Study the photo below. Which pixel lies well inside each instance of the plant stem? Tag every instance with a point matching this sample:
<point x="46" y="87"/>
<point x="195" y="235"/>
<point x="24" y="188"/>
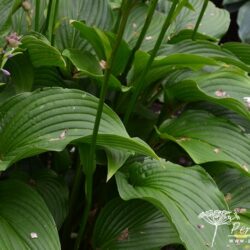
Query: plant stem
<point x="203" y="9"/>
<point x="215" y="232"/>
<point x="51" y="18"/>
<point x="141" y="80"/>
<point x="150" y="14"/>
<point x="117" y="23"/>
<point x="90" y="164"/>
<point x="37" y="15"/>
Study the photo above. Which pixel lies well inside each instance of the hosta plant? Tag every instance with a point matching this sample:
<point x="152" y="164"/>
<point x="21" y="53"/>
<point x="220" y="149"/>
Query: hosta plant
<point x="124" y="124"/>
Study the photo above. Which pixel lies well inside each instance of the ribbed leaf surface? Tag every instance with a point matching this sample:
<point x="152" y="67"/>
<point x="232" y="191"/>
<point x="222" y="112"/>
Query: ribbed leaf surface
<point x="241" y="50"/>
<point x="181" y="194"/>
<point x="214" y="17"/>
<point x="207" y="138"/>
<point x="87" y="65"/>
<point x="102" y="43"/>
<point x="205" y="49"/>
<point x="236" y="187"/>
<point x="132" y="225"/>
<point x="229" y="88"/>
<point x="94" y="12"/>
<point x="163" y="65"/>
<point x="51" y="188"/>
<point x="7" y="8"/>
<point x="41" y="52"/>
<point x="49" y="119"/>
<point x="26" y="222"/>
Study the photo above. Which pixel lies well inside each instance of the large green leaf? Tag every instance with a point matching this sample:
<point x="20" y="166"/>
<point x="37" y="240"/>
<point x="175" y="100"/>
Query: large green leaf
<point x="93" y="12"/>
<point x="132" y="225"/>
<point x="215" y="22"/>
<point x="102" y="43"/>
<point x="87" y="65"/>
<point x="227" y="87"/>
<point x="135" y="23"/>
<point x="207" y="138"/>
<point x="205" y="49"/>
<point x="41" y="52"/>
<point x="163" y="65"/>
<point x="181" y="194"/>
<point x="243" y="21"/>
<point x="26" y="222"/>
<point x="236" y="187"/>
<point x="51" y="188"/>
<point x="51" y="118"/>
<point x="84" y="62"/>
<point x="241" y="50"/>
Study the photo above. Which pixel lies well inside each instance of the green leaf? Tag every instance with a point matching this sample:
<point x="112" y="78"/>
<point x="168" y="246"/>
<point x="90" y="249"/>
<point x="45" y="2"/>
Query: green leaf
<point x="47" y="76"/>
<point x="132" y="225"/>
<point x="84" y="62"/>
<point x="215" y="22"/>
<point x="228" y="88"/>
<point x="135" y="23"/>
<point x="102" y="44"/>
<point x="187" y="34"/>
<point x="236" y="187"/>
<point x="26" y="222"/>
<point x="204" y="49"/>
<point x="241" y="50"/>
<point x="94" y="12"/>
<point x="22" y="72"/>
<point x="52" y="189"/>
<point x="87" y="65"/>
<point x="163" y="65"/>
<point x="51" y="118"/>
<point x="115" y="161"/>
<point x="7" y="9"/>
<point x="181" y="194"/>
<point x="41" y="52"/>
<point x="96" y="37"/>
<point x="207" y="138"/>
<point x="243" y="21"/>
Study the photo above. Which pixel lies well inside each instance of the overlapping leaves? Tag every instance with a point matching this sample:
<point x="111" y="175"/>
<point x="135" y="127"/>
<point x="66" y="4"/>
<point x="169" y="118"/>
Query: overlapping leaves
<point x="49" y="119"/>
<point x="52" y="189"/>
<point x="213" y="17"/>
<point x="132" y="225"/>
<point x="228" y="88"/>
<point x="180" y="194"/>
<point x="207" y="138"/>
<point x="26" y="222"/>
